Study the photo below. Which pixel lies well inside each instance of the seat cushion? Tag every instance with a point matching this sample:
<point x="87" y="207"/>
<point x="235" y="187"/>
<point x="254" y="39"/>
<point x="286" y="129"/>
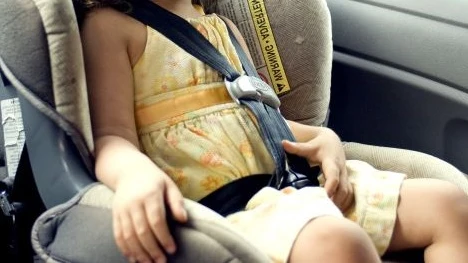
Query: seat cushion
<point x="80" y="231"/>
<point x="413" y="164"/>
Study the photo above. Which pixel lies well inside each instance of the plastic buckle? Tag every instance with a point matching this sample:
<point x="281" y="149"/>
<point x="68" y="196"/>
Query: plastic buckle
<point x="247" y="87"/>
<point x="5" y="205"/>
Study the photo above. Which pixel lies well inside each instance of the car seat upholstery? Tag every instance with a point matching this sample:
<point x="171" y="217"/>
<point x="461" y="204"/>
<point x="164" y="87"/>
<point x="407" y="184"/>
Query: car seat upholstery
<point x="41" y="56"/>
<point x="302" y="32"/>
<point x="413" y="164"/>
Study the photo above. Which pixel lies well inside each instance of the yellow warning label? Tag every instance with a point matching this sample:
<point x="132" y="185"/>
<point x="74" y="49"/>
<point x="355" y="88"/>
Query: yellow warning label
<point x="267" y="41"/>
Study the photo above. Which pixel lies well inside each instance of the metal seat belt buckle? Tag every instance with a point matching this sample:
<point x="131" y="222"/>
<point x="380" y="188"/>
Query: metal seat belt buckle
<point x="248" y="87"/>
<point x="5" y="205"/>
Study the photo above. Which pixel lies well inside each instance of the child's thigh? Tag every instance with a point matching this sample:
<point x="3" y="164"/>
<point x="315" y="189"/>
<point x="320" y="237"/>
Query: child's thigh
<point x="427" y="206"/>
<point x="273" y="219"/>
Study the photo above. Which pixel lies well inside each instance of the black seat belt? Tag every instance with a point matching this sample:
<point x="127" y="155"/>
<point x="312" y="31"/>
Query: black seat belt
<point x="250" y="91"/>
<point x="298" y="164"/>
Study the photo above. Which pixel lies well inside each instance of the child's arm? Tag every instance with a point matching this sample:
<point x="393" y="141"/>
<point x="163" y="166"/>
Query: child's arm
<point x="141" y="189"/>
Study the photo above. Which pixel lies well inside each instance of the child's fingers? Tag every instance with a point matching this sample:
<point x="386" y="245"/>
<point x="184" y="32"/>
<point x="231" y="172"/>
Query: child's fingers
<point x="350" y="199"/>
<point x="175" y="202"/>
<point x="306" y="150"/>
<point x="144" y="233"/>
<point x="132" y="242"/>
<point x="156" y="215"/>
<point x="332" y="176"/>
<point x="119" y="238"/>
<point x="342" y="197"/>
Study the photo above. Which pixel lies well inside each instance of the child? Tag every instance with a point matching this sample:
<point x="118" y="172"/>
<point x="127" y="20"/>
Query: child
<point x="153" y="148"/>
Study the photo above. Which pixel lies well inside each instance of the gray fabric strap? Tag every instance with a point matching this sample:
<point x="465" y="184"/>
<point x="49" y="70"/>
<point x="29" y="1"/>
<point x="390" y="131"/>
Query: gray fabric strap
<point x="274" y="128"/>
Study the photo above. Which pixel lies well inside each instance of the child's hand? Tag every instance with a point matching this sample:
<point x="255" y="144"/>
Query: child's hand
<point x="140" y="216"/>
<point x="327" y="151"/>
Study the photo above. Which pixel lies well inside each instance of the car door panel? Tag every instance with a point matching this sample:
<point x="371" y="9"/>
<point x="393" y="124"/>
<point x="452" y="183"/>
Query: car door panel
<point x="400" y="75"/>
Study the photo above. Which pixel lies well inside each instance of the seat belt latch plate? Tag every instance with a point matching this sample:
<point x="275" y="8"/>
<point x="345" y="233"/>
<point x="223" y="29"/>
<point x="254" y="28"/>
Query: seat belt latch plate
<point x="5" y="205"/>
<point x="248" y="87"/>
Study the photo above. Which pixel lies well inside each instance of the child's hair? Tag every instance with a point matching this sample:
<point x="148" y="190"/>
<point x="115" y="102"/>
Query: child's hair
<point x="121" y="5"/>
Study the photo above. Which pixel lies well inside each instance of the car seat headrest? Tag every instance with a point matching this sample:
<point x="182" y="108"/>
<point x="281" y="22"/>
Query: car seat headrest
<point x="291" y="45"/>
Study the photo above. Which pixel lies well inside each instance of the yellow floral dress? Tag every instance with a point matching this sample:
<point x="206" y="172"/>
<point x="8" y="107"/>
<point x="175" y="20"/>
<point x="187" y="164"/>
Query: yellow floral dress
<point x="202" y="147"/>
<point x="209" y="147"/>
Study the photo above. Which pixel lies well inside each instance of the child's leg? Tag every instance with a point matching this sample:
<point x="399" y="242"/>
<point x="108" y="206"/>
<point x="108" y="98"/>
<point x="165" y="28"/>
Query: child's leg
<point x="333" y="239"/>
<point x="432" y="214"/>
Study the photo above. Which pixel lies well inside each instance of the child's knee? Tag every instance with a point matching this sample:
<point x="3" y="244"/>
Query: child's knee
<point x="335" y="230"/>
<point x="450" y="200"/>
<point x="447" y="205"/>
<point x="453" y="204"/>
<point x="333" y="235"/>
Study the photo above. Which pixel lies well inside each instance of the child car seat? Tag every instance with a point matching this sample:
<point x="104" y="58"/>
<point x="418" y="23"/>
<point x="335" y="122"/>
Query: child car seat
<point x="41" y="60"/>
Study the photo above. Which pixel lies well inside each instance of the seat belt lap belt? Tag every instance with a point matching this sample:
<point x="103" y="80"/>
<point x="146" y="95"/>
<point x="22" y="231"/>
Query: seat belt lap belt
<point x="248" y="90"/>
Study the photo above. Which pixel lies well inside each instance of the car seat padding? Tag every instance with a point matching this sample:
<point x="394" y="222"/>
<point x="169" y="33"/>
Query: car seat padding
<point x="292" y="38"/>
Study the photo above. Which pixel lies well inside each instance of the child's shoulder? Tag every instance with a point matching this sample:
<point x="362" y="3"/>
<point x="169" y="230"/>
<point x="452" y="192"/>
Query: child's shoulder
<point x="106" y="28"/>
<point x="108" y="22"/>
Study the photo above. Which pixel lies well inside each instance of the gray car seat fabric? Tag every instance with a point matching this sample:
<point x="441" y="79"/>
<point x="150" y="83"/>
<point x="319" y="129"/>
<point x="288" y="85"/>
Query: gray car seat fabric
<point x="205" y="238"/>
<point x="67" y="72"/>
<point x="25" y="61"/>
<point x="31" y="68"/>
<point x="80" y="230"/>
<point x="302" y="32"/>
<point x="54" y="77"/>
<point x="413" y="164"/>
